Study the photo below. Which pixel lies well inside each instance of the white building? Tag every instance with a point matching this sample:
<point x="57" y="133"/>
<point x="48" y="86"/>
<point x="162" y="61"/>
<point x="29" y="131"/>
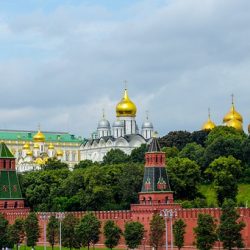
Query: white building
<point x="123" y="135"/>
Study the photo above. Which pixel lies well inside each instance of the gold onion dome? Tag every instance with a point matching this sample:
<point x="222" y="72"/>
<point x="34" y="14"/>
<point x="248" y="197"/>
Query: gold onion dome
<point x="36" y="146"/>
<point x="235" y="123"/>
<point x="59" y="152"/>
<point x="39" y="161"/>
<point x="232" y="114"/>
<point x="126" y="107"/>
<point x="39" y="137"/>
<point x="26" y="146"/>
<point x="29" y="153"/>
<point x="209" y="124"/>
<point x="51" y="146"/>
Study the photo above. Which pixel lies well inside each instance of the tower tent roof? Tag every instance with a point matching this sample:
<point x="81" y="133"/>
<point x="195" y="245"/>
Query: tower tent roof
<point x="154" y="146"/>
<point x="5" y="152"/>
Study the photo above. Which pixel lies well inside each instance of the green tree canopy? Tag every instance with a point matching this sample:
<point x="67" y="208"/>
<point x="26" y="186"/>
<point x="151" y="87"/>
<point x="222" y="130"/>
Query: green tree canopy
<point x="85" y="164"/>
<point x="229" y="230"/>
<point x="32" y="229"/>
<point x="205" y="232"/>
<point x="53" y="231"/>
<point x="157" y="229"/>
<point x="184" y="176"/>
<point x="179" y="232"/>
<point x="200" y="137"/>
<point x="70" y="238"/>
<point x="54" y="164"/>
<point x="138" y="154"/>
<point x="112" y="234"/>
<point x="194" y="152"/>
<point x="88" y="230"/>
<point x="3" y="231"/>
<point x="133" y="234"/>
<point x="176" y="139"/>
<point x="115" y="156"/>
<point x="170" y="152"/>
<point x="225" y="171"/>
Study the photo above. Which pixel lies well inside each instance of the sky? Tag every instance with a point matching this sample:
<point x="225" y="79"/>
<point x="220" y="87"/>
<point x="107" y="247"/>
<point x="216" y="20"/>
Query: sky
<point x="63" y="61"/>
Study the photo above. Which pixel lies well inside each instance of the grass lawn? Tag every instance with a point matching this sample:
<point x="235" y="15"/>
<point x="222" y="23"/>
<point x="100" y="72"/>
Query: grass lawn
<point x="242" y="198"/>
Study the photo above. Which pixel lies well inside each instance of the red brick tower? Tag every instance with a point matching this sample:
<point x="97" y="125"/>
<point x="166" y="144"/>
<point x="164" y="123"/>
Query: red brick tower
<point x="10" y="191"/>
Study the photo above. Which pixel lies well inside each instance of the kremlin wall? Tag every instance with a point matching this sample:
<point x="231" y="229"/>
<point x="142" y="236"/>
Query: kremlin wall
<point x="155" y="196"/>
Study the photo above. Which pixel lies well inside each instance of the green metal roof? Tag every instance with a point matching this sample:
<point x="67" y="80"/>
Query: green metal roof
<point x="5" y="152"/>
<point x="20" y="135"/>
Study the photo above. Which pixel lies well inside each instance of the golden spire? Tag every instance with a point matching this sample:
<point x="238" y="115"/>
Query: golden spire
<point x="39" y="136"/>
<point x="209" y="124"/>
<point x="126" y="108"/>
<point x="232" y="114"/>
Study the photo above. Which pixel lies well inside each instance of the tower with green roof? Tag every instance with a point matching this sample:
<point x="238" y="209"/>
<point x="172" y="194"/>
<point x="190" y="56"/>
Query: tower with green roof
<point x="10" y="191"/>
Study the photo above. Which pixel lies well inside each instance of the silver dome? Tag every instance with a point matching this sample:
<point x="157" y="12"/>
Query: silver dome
<point x="119" y="124"/>
<point x="147" y="124"/>
<point x="104" y="124"/>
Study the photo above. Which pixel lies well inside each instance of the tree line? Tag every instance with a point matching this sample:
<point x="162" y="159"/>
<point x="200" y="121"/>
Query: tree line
<point x="85" y="232"/>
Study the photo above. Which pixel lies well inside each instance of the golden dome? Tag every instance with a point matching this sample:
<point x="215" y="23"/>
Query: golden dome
<point x="209" y="124"/>
<point x="39" y="137"/>
<point x="26" y="146"/>
<point x="36" y="146"/>
<point x="59" y="152"/>
<point x="51" y="146"/>
<point x="232" y="114"/>
<point x="29" y="153"/>
<point x="39" y="161"/>
<point x="235" y="124"/>
<point x="126" y="107"/>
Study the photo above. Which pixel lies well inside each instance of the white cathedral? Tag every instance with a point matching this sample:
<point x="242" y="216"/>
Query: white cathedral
<point x="123" y="135"/>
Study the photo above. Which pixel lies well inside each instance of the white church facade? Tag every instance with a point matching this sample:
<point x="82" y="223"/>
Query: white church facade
<point x="124" y="133"/>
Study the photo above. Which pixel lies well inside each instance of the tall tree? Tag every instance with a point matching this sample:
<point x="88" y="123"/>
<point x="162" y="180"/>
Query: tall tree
<point x="52" y="231"/>
<point x="225" y="172"/>
<point x="157" y="229"/>
<point x="205" y="232"/>
<point x="229" y="230"/>
<point x="3" y="231"/>
<point x="115" y="156"/>
<point x="69" y="235"/>
<point x="138" y="154"/>
<point x="17" y="232"/>
<point x="89" y="230"/>
<point x="112" y="234"/>
<point x="32" y="229"/>
<point x="184" y="176"/>
<point x="133" y="234"/>
<point x="179" y="232"/>
<point x="54" y="164"/>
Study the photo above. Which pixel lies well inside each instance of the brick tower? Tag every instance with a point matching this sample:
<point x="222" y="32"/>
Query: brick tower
<point x="10" y="192"/>
<point x="155" y="188"/>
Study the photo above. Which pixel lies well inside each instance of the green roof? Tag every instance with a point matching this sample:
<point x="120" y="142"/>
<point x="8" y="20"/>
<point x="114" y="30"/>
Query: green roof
<point x="21" y="135"/>
<point x="5" y="152"/>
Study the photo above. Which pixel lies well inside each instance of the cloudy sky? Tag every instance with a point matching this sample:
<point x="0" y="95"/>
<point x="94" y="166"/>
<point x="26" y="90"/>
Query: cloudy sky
<point x="63" y="61"/>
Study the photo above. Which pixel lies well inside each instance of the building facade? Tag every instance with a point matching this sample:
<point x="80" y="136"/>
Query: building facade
<point x="124" y="133"/>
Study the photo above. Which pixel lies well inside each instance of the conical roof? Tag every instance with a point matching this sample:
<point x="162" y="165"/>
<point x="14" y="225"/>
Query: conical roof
<point x="5" y="152"/>
<point x="154" y="146"/>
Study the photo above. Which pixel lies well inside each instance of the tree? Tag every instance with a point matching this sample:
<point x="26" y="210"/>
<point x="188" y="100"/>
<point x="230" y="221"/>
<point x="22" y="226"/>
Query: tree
<point x="176" y="139"/>
<point x="200" y="136"/>
<point x="225" y="171"/>
<point x="138" y="154"/>
<point x="112" y="234"/>
<point x="84" y="164"/>
<point x="16" y="232"/>
<point x="229" y="230"/>
<point x="32" y="229"/>
<point x="115" y="156"/>
<point x="54" y="164"/>
<point x="170" y="152"/>
<point x="133" y="234"/>
<point x="52" y="231"/>
<point x="179" y="232"/>
<point x="69" y="236"/>
<point x="88" y="230"/>
<point x="205" y="232"/>
<point x="3" y="231"/>
<point x="194" y="152"/>
<point x="157" y="229"/>
<point x="184" y="176"/>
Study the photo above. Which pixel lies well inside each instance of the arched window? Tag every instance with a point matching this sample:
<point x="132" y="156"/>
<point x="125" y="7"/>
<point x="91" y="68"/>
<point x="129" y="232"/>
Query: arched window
<point x="150" y="200"/>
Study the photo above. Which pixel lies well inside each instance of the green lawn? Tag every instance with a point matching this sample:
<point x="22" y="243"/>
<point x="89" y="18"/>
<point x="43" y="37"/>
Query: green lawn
<point x="242" y="198"/>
